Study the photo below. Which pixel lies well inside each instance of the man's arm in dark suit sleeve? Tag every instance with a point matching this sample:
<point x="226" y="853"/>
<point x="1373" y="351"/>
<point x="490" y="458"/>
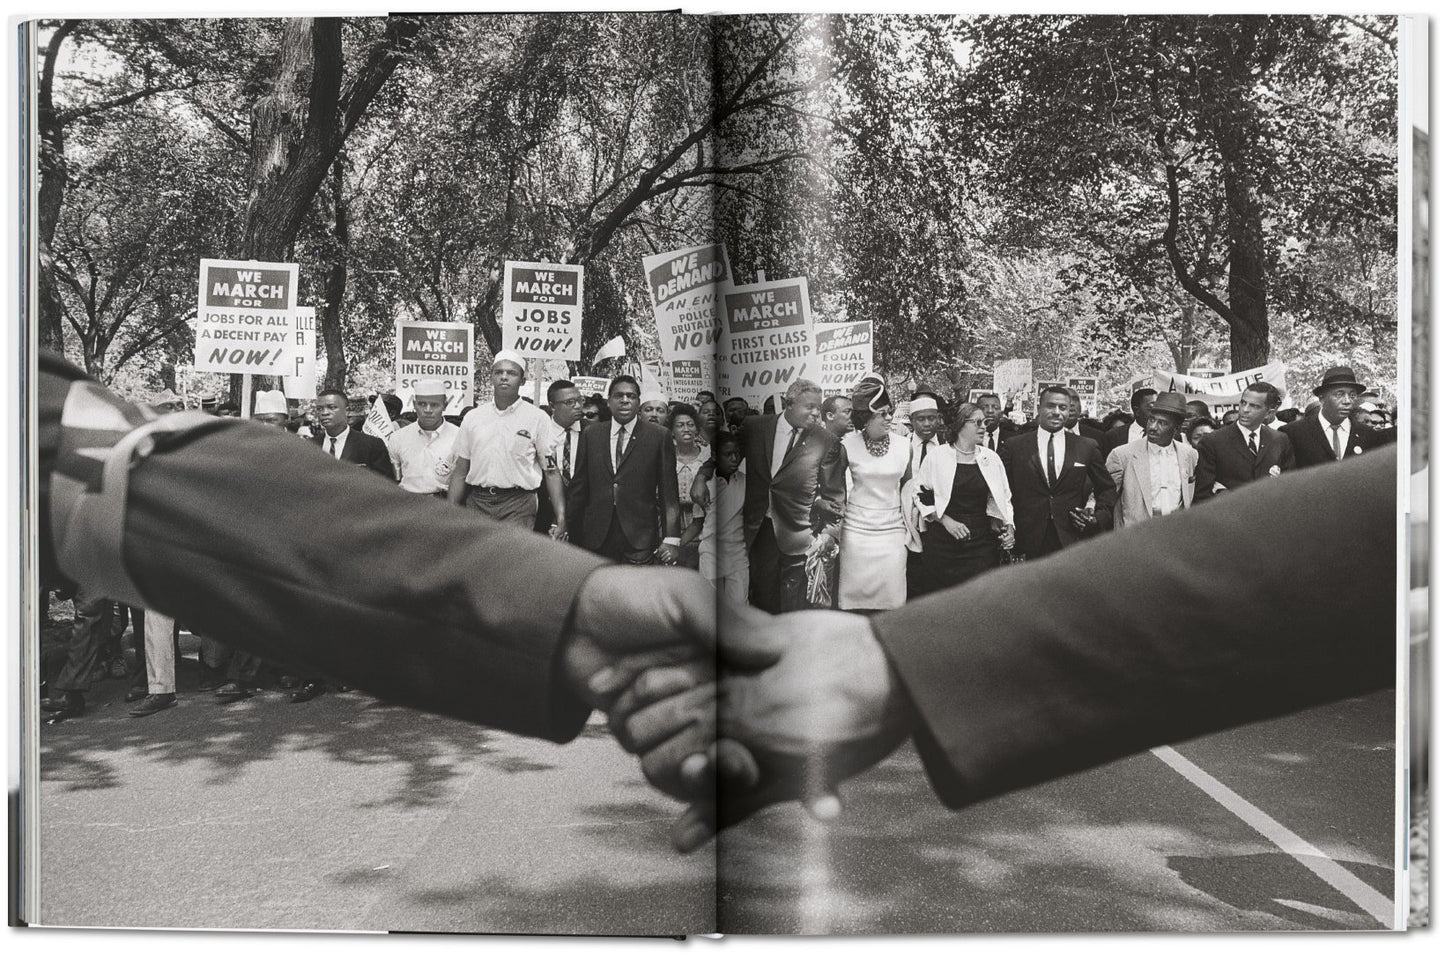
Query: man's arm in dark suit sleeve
<point x="1009" y="693"/>
<point x="832" y="488"/>
<point x="667" y="491"/>
<point x="1105" y="493"/>
<point x="1204" y="472"/>
<point x="381" y="459"/>
<point x="577" y="489"/>
<point x="1286" y="456"/>
<point x="414" y="603"/>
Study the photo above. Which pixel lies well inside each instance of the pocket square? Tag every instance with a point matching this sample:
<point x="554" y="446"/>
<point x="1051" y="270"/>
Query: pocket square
<point x="1079" y="464"/>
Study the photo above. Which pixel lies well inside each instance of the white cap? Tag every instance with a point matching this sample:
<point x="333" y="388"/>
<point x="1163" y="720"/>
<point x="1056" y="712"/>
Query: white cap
<point x="427" y="388"/>
<point x="652" y="395"/>
<point x="270" y="402"/>
<point x="922" y="404"/>
<point x="510" y="356"/>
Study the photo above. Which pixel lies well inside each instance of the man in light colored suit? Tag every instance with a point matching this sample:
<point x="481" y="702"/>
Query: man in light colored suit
<point x="1154" y="475"/>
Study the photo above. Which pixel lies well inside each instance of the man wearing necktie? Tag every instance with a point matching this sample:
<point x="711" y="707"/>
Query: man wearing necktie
<point x="1330" y="435"/>
<point x="997" y="428"/>
<point x="794" y="497"/>
<point x="566" y="401"/>
<point x="1246" y="449"/>
<point x="624" y="487"/>
<point x="925" y="417"/>
<point x="338" y="440"/>
<point x="1052" y="473"/>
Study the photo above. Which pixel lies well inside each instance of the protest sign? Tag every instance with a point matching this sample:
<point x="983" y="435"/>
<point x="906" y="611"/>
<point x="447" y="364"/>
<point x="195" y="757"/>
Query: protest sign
<point x="1012" y="380"/>
<point x="591" y="384"/>
<point x="436" y="351"/>
<point x="1219" y="393"/>
<point x="378" y="421"/>
<point x="684" y="287"/>
<point x="1088" y="389"/>
<point x="842" y="355"/>
<point x="542" y="310"/>
<point x="302" y="384"/>
<point x="767" y="338"/>
<point x="244" y="321"/>
<point x="685" y="378"/>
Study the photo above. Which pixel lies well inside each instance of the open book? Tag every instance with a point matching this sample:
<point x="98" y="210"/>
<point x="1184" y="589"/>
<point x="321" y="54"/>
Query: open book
<point x="1020" y="404"/>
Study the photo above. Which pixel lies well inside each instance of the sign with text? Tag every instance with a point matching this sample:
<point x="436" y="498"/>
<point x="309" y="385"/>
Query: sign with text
<point x="436" y="351"/>
<point x="684" y="287"/>
<point x="685" y="378"/>
<point x="842" y="355"/>
<point x="244" y="320"/>
<point x="767" y="338"/>
<point x="1088" y="389"/>
<point x="1219" y="393"/>
<point x="590" y="385"/>
<point x="1013" y="381"/>
<point x="302" y="383"/>
<point x="542" y="310"/>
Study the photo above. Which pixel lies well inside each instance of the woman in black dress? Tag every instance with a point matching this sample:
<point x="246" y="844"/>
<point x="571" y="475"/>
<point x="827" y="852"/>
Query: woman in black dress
<point x="965" y="505"/>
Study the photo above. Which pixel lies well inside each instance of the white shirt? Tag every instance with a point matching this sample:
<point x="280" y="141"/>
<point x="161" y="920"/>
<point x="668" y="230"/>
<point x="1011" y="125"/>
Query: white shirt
<point x="1330" y="433"/>
<point x="1167" y="494"/>
<point x="915" y="450"/>
<point x="627" y="432"/>
<point x="340" y="442"/>
<point x="1136" y="431"/>
<point x="505" y="448"/>
<point x="993" y="439"/>
<point x="1044" y="438"/>
<point x="423" y="460"/>
<point x="1246" y="433"/>
<point x="559" y="445"/>
<point x="780" y="442"/>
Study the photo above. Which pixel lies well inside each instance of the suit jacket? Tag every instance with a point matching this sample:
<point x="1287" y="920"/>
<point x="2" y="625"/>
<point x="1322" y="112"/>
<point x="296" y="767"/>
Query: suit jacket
<point x="1036" y="505"/>
<point x="1129" y="468"/>
<point x="1007" y="428"/>
<point x="269" y="545"/>
<point x="1030" y="673"/>
<point x="363" y="450"/>
<point x="641" y="491"/>
<point x="807" y="490"/>
<point x="1116" y="437"/>
<point x="1224" y="458"/>
<point x="1313" y="447"/>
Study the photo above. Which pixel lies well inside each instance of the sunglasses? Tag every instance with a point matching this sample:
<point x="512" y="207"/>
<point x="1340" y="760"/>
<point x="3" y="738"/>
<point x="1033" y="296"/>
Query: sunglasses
<point x="589" y="415"/>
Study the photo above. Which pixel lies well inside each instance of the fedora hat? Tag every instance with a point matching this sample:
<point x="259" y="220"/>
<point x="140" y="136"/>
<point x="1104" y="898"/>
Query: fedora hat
<point x="1338" y="376"/>
<point x="1171" y="403"/>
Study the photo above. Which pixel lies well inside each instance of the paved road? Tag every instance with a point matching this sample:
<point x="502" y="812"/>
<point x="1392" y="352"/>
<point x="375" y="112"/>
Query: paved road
<point x="347" y="813"/>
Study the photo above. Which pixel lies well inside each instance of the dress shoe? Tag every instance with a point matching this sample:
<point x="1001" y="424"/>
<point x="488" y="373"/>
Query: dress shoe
<point x="152" y="704"/>
<point x="64" y="705"/>
<point x="307" y="692"/>
<point x="233" y="692"/>
<point x="135" y="693"/>
<point x="211" y="679"/>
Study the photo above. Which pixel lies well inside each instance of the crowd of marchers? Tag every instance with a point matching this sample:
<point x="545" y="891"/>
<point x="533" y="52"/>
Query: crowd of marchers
<point x="852" y="501"/>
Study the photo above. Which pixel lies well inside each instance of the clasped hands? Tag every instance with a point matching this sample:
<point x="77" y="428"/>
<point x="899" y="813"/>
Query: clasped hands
<point x="734" y="715"/>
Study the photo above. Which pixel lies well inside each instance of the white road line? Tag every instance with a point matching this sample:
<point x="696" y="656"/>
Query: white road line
<point x="1371" y="902"/>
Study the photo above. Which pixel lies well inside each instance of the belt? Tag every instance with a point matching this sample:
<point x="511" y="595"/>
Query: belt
<point x="502" y="490"/>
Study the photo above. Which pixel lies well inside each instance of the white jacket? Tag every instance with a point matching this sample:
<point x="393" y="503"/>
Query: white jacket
<point x="937" y="474"/>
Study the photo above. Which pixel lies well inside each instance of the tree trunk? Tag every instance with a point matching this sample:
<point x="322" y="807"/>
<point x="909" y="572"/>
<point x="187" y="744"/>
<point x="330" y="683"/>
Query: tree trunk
<point x="337" y="256"/>
<point x="53" y="180"/>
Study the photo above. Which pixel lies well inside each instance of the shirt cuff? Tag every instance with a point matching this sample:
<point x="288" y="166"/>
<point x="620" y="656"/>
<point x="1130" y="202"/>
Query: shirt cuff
<point x="672" y="541"/>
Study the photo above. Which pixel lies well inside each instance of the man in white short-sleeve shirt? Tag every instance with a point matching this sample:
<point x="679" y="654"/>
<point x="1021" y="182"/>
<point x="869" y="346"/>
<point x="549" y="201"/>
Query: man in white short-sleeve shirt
<point x="503" y="452"/>
<point x="421" y="452"/>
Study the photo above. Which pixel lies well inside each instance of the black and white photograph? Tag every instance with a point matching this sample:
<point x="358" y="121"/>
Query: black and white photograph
<point x="657" y="473"/>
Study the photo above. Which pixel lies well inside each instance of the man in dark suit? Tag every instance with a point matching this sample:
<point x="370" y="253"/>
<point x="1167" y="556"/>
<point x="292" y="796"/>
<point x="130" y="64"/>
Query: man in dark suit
<point x="338" y="440"/>
<point x="1075" y="422"/>
<point x="997" y="427"/>
<point x="1001" y="694"/>
<point x="1330" y="435"/>
<point x="1244" y="450"/>
<point x="626" y="473"/>
<point x="1128" y="432"/>
<point x="1052" y="473"/>
<point x="794" y="498"/>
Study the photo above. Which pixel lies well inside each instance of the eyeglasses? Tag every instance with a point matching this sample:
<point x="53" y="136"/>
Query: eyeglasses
<point x="590" y="415"/>
<point x="570" y="402"/>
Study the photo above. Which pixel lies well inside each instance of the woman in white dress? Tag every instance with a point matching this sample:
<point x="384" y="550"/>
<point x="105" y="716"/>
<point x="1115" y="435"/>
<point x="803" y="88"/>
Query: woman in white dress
<point x="872" y="557"/>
